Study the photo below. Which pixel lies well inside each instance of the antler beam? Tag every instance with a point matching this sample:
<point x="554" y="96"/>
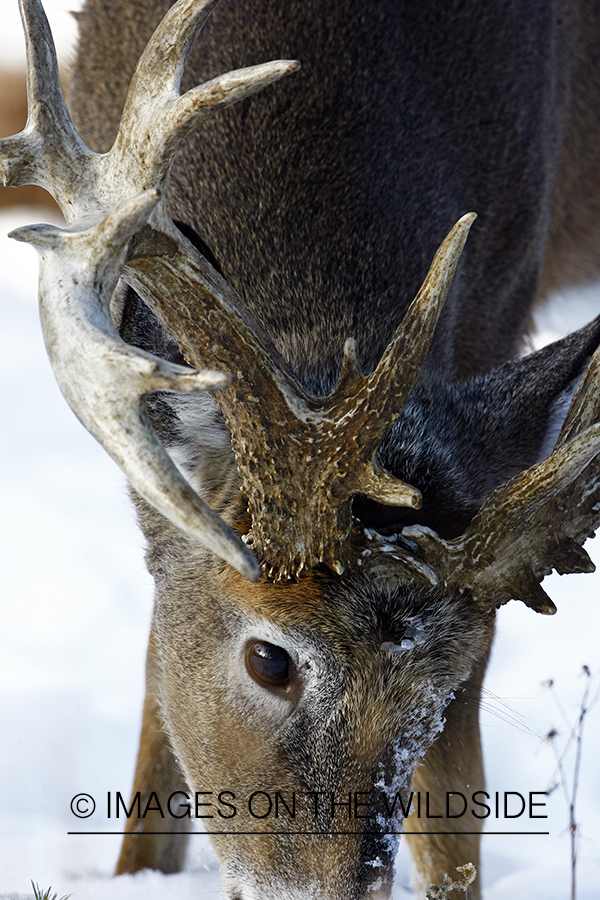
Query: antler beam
<point x="534" y="523"/>
<point x="284" y="444"/>
<point x="290" y="445"/>
<point x="79" y="336"/>
<point x="106" y="198"/>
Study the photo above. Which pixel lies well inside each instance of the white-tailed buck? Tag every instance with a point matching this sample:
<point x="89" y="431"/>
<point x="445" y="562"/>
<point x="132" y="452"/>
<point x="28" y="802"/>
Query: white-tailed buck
<point x="332" y="528"/>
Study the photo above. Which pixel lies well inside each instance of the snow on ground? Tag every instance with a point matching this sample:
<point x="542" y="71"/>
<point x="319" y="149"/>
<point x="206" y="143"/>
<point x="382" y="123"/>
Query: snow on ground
<point x="75" y="604"/>
<point x="62" y="22"/>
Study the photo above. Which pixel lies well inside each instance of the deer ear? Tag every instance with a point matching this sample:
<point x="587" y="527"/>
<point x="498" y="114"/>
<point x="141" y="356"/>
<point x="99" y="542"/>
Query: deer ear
<point x="527" y="400"/>
<point x="513" y="415"/>
<point x="457" y="442"/>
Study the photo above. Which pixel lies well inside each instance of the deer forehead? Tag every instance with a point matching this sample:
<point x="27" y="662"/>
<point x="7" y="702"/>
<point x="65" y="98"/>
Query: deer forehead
<point x="344" y="622"/>
<point x="349" y="685"/>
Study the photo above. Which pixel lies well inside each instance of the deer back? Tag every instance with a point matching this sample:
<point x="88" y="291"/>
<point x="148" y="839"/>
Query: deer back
<point x="323" y="201"/>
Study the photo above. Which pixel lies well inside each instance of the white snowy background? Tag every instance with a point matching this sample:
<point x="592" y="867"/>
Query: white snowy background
<point x="75" y="605"/>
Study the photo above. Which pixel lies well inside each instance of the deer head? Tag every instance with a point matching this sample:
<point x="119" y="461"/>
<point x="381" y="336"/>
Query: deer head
<point x="311" y="626"/>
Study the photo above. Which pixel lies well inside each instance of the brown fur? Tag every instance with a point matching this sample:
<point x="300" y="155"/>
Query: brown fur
<point x="573" y="252"/>
<point x="502" y="110"/>
<point x="157" y="771"/>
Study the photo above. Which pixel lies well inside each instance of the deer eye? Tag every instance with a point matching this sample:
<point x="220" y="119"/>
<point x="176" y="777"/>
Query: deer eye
<point x="268" y="664"/>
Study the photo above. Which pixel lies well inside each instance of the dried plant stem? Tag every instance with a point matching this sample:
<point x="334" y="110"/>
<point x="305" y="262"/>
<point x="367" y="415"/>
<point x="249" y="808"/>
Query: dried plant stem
<point x="441" y="891"/>
<point x="570" y="789"/>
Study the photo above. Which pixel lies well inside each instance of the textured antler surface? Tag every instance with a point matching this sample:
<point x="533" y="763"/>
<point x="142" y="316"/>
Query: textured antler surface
<point x="302" y="458"/>
<point x="536" y="522"/>
<point x="79" y="336"/>
<point x="105" y="381"/>
<point x="289" y="445"/>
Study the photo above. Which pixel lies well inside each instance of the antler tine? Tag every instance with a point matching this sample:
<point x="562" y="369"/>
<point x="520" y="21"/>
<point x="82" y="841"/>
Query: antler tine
<point x="149" y="162"/>
<point x="156" y="120"/>
<point x="163" y="60"/>
<point x="48" y="152"/>
<point x="536" y="522"/>
<point x="290" y="441"/>
<point x="78" y="274"/>
<point x="401" y="363"/>
<point x="532" y="524"/>
<point x="391" y="383"/>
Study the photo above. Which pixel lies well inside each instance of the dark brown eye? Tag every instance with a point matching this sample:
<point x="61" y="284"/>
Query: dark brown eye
<point x="268" y="663"/>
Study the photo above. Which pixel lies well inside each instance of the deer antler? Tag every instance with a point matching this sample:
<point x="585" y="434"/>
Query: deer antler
<point x="288" y="444"/>
<point x="291" y="444"/>
<point x="79" y="335"/>
<point x="99" y="195"/>
<point x="287" y="441"/>
<point x="156" y="120"/>
<point x="534" y="523"/>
